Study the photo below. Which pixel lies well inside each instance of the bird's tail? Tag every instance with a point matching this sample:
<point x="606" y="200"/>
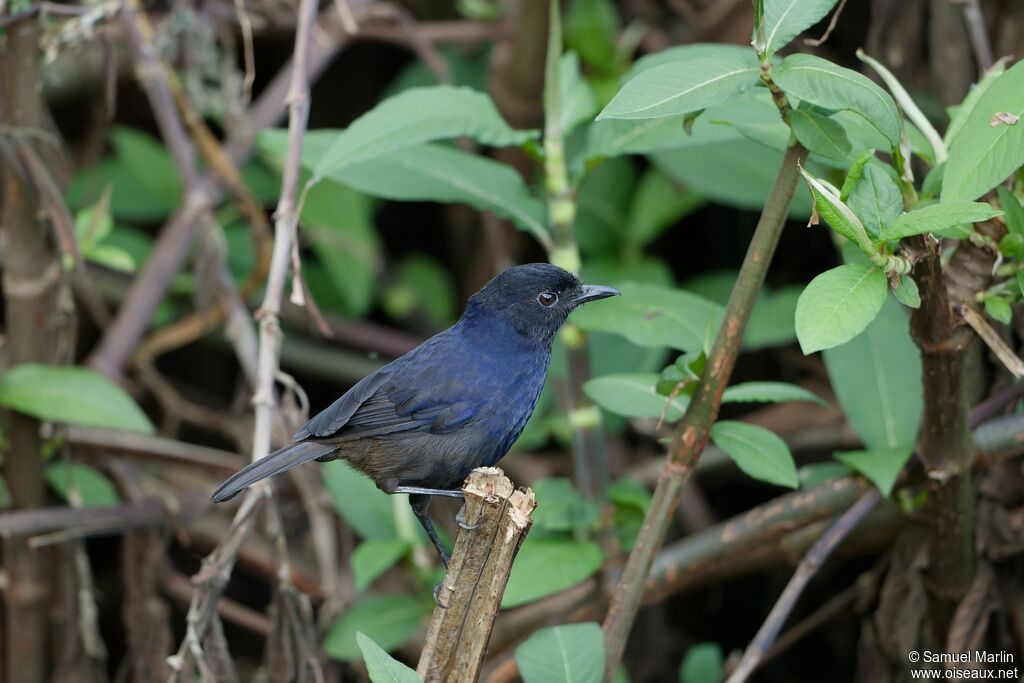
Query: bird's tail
<point x="277" y="462"/>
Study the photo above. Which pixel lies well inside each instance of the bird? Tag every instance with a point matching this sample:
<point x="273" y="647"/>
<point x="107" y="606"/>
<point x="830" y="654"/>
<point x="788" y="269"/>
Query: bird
<point x="420" y="424"/>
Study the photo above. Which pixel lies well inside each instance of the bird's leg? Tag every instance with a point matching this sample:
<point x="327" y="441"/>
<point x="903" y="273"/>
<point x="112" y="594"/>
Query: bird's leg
<point x="417" y="490"/>
<point x="419" y="503"/>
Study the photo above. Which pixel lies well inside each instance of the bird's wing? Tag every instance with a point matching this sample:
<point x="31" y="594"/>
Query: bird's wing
<point x="377" y="406"/>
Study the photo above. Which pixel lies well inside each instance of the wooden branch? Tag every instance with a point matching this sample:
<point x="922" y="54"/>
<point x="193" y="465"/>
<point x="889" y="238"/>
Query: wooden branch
<point x="809" y="566"/>
<point x="693" y="431"/>
<point x="470" y="596"/>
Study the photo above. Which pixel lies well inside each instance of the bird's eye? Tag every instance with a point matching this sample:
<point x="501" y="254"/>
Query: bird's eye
<point x="547" y="299"/>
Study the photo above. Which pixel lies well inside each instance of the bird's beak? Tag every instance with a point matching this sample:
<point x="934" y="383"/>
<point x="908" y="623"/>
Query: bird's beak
<point x="593" y="293"/>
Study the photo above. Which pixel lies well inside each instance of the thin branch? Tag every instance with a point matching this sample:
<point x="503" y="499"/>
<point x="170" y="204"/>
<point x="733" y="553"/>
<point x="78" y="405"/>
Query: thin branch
<point x="692" y="433"/>
<point x="809" y="566"/>
<point x="976" y="29"/>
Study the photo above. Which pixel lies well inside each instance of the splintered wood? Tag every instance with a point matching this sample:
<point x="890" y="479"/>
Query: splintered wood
<point x="497" y="518"/>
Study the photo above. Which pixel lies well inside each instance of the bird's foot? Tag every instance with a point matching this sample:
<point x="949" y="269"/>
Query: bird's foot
<point x="460" y="519"/>
<point x="437" y="596"/>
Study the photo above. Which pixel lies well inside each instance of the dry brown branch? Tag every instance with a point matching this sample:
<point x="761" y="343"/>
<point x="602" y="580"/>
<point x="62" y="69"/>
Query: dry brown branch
<point x="809" y="566"/>
<point x="470" y="596"/>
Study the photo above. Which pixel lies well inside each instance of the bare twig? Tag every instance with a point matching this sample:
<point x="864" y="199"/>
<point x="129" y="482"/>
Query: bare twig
<point x="809" y="566"/>
<point x="976" y="29"/>
<point x="470" y="596"/>
<point x="817" y="42"/>
<point x="217" y="566"/>
<point x="996" y="345"/>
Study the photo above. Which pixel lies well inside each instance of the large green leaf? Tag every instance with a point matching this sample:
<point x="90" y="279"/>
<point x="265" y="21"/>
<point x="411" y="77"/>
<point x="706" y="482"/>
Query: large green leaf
<point x="938" y="217"/>
<point x="757" y="451"/>
<point x="439" y="173"/>
<point x="78" y="483"/>
<point x="360" y="503"/>
<point x="633" y="395"/>
<point x="657" y="204"/>
<point x="72" y="395"/>
<point x="338" y="223"/>
<point x="389" y="620"/>
<point x="768" y="392"/>
<point x="548" y="565"/>
<point x="784" y="20"/>
<point x="652" y="315"/>
<point x="416" y="116"/>
<point x="836" y="213"/>
<point x="591" y="28"/>
<point x="578" y="101"/>
<point x="990" y="144"/>
<point x="820" y="82"/>
<point x="560" y="507"/>
<point x="877" y="379"/>
<point x="838" y="304"/>
<point x="681" y="55"/>
<point x="678" y="88"/>
<point x="571" y="653"/>
<point x="373" y="557"/>
<point x="880" y="467"/>
<point x="1012" y="210"/>
<point x="771" y="321"/>
<point x="961" y="113"/>
<point x="819" y="133"/>
<point x="381" y="666"/>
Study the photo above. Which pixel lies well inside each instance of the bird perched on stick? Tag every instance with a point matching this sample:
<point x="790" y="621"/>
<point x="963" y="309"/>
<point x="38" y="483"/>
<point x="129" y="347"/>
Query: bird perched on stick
<point x="458" y="401"/>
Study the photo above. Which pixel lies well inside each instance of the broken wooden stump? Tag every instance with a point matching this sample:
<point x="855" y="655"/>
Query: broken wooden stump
<point x="496" y="518"/>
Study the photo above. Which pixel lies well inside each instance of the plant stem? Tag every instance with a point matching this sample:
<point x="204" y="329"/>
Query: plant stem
<point x="30" y="276"/>
<point x="691" y="435"/>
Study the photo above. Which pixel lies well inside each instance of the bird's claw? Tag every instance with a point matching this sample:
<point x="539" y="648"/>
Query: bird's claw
<point x="460" y="519"/>
<point x="437" y="596"/>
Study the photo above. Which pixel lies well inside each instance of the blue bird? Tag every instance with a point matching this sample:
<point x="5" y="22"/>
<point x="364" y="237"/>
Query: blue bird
<point x="458" y="401"/>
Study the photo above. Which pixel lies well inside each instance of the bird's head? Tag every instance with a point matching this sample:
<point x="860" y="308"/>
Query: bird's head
<point x="534" y="299"/>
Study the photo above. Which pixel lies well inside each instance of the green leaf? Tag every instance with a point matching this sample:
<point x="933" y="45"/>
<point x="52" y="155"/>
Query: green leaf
<point x="373" y="557"/>
<point x="784" y="20"/>
<point x="338" y="223"/>
<point x="757" y="451"/>
<point x="836" y="213"/>
<point x="880" y="467"/>
<point x="906" y="292"/>
<point x="81" y="484"/>
<point x="681" y="55"/>
<point x="1013" y="212"/>
<point x="874" y="196"/>
<point x="363" y="506"/>
<point x="658" y="203"/>
<point x="703" y="662"/>
<point x="111" y="257"/>
<point x="674" y="89"/>
<point x="131" y="199"/>
<point x="652" y="315"/>
<point x="381" y="666"/>
<point x="560" y="507"/>
<point x="768" y="392"/>
<point x="633" y="395"/>
<point x="960" y="115"/>
<point x="877" y="380"/>
<point x="545" y="566"/>
<point x="602" y="204"/>
<point x="986" y="150"/>
<point x="446" y="174"/>
<point x="389" y="620"/>
<point x="818" y="133"/>
<point x="71" y="395"/>
<point x="421" y="284"/>
<point x="938" y="217"/>
<point x="998" y="309"/>
<point x="416" y="116"/>
<point x="630" y="500"/>
<point x="149" y="162"/>
<point x="820" y="82"/>
<point x="590" y="30"/>
<point x="771" y="321"/>
<point x="819" y="472"/>
<point x="571" y="653"/>
<point x="578" y="101"/>
<point x="838" y="304"/>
